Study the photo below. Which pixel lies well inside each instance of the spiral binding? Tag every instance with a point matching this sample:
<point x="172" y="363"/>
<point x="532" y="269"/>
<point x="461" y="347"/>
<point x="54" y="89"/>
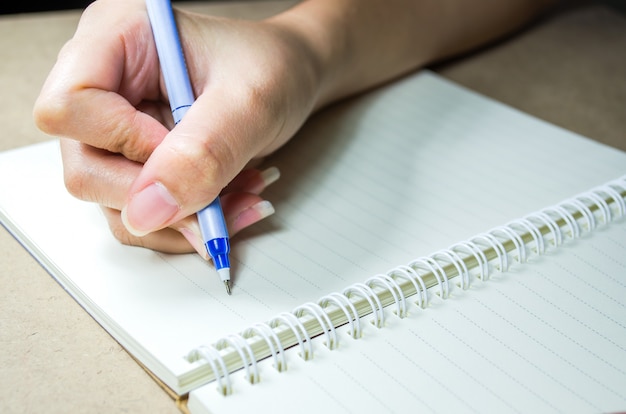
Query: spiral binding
<point x="476" y="258"/>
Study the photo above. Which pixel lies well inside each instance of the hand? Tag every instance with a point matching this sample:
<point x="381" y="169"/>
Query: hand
<point x="255" y="85"/>
<point x="255" y="82"/>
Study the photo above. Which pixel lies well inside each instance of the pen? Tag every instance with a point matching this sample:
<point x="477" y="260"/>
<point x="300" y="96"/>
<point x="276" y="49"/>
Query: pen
<point x="178" y="85"/>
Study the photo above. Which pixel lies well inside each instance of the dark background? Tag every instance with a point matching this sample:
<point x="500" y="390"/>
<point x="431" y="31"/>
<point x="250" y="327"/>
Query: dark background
<point x="19" y="6"/>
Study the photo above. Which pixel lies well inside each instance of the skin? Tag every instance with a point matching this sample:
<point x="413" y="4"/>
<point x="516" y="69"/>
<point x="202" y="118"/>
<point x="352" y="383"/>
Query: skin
<point x="256" y="83"/>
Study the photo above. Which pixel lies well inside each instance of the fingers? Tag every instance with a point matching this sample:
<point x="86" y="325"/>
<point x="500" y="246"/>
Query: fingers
<point x="241" y="210"/>
<point x="101" y="79"/>
<point x="97" y="175"/>
<point x="102" y="177"/>
<point x="248" y="105"/>
<point x="198" y="158"/>
<point x="253" y="181"/>
<point x="106" y="96"/>
<point x="166" y="240"/>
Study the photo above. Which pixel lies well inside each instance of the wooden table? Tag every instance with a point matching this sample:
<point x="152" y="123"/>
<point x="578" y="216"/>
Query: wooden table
<point x="569" y="69"/>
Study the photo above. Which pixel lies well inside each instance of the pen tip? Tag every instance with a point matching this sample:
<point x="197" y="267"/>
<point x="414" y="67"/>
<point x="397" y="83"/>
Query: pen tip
<point x="225" y="276"/>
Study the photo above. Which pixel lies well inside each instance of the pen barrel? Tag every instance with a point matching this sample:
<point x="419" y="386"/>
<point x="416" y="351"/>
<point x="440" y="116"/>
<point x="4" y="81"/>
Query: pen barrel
<point x="181" y="97"/>
<point x="215" y="233"/>
<point x="171" y="57"/>
<point x="212" y="223"/>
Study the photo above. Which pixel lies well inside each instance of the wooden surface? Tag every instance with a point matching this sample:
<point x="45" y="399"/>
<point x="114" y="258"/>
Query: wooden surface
<point x="569" y="69"/>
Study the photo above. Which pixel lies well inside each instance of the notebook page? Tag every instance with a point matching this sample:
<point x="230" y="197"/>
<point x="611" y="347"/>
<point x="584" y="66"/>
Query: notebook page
<point x="550" y="336"/>
<point x="405" y="171"/>
<point x="367" y="185"/>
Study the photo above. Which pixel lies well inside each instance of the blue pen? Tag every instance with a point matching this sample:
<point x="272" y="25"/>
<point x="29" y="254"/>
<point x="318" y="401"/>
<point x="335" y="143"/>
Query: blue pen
<point x="172" y="60"/>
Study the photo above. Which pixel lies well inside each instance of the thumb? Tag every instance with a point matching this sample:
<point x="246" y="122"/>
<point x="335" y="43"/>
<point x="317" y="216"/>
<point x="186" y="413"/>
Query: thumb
<point x="187" y="170"/>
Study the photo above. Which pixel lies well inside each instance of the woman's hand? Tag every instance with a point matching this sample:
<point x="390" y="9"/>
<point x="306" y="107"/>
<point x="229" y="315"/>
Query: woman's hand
<point x="255" y="84"/>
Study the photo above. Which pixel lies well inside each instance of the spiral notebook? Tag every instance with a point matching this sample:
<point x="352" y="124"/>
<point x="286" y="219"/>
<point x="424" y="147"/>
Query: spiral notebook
<point x="432" y="250"/>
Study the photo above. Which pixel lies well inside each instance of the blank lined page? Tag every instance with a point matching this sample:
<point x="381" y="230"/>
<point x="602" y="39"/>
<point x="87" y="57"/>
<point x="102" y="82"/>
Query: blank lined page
<point x="367" y="185"/>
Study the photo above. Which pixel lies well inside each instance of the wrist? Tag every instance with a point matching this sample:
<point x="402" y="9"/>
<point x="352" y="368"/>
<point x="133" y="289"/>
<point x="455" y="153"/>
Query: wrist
<point x="313" y="26"/>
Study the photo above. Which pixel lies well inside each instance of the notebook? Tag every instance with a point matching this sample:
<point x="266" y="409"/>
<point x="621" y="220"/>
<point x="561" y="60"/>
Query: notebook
<point x="432" y="250"/>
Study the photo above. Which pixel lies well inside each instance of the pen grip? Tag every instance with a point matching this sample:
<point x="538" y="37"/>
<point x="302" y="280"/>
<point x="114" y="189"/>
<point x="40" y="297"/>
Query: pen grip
<point x="212" y="223"/>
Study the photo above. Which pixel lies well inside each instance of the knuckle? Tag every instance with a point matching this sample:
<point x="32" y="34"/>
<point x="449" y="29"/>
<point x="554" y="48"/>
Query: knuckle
<point x="52" y="109"/>
<point x="117" y="229"/>
<point x="128" y="140"/>
<point x="122" y="235"/>
<point x="75" y="182"/>
<point x="51" y="112"/>
<point x="208" y="162"/>
<point x="119" y="141"/>
<point x="78" y="177"/>
<point x="214" y="159"/>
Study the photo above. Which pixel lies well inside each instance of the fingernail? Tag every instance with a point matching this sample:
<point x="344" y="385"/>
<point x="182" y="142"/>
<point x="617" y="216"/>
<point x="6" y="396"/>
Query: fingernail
<point x="270" y="175"/>
<point x="194" y="238"/>
<point x="149" y="209"/>
<point x="252" y="214"/>
<point x="262" y="209"/>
